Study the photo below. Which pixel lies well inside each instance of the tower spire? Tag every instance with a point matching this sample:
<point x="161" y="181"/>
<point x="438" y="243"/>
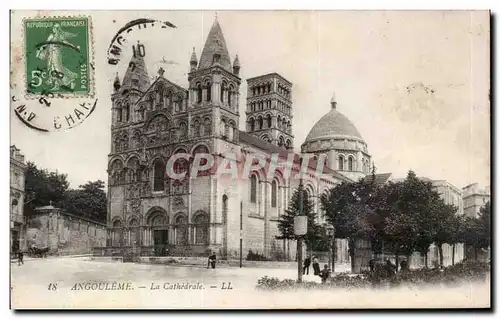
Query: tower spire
<point x="136" y="76"/>
<point x="215" y="45"/>
<point x="236" y="66"/>
<point x="193" y="62"/>
<point x="117" y="83"/>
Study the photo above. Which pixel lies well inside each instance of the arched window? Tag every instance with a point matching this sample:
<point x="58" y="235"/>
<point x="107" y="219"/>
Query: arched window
<point x="208" y="126"/>
<point x="341" y="163"/>
<point x="274" y="192"/>
<point x="169" y="98"/>
<point x="252" y="125"/>
<point x="230" y="130"/>
<point x="196" y="128"/>
<point x="201" y="149"/>
<point x="157" y="220"/>
<point x="180" y="232"/>
<point x="279" y="121"/>
<point x="199" y="92"/>
<point x="159" y="176"/>
<point x="183" y="129"/>
<point x="127" y="112"/>
<point x="229" y="95"/>
<point x="133" y="167"/>
<point x="288" y="144"/>
<point x="281" y="141"/>
<point x="119" y="114"/>
<point x="200" y="229"/>
<point x="209" y="91"/>
<point x="222" y="128"/>
<point x="181" y="165"/>
<point x="222" y="90"/>
<point x="269" y="121"/>
<point x="350" y="163"/>
<point x="261" y="123"/>
<point x="364" y="166"/>
<point x="253" y="189"/>
<point x="178" y="104"/>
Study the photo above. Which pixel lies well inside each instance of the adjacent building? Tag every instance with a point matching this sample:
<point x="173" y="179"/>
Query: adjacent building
<point x="150" y="213"/>
<point x="474" y="198"/>
<point x="17" y="195"/>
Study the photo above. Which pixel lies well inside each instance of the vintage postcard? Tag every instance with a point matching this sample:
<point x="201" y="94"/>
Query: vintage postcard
<point x="250" y="159"/>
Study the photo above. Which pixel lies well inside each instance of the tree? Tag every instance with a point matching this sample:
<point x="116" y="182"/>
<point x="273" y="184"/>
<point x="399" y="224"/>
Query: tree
<point x="484" y="221"/>
<point x="347" y="208"/>
<point x="44" y="188"/>
<point x="477" y="231"/>
<point x="444" y="226"/>
<point x="88" y="201"/>
<point x="314" y="237"/>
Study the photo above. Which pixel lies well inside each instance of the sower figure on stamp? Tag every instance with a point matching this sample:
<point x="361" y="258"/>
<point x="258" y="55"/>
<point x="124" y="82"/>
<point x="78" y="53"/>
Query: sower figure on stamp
<point x="59" y="75"/>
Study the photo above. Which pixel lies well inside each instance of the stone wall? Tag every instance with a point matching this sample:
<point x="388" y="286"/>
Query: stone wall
<point x="64" y="234"/>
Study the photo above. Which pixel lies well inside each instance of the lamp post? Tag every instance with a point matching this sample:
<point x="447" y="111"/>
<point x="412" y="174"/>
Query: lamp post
<point x="241" y="234"/>
<point x="300" y="226"/>
<point x="331" y="235"/>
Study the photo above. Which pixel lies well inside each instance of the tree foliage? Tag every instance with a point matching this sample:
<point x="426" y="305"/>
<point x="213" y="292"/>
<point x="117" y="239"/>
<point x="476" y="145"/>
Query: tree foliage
<point x="44" y="187"/>
<point x="405" y="216"/>
<point x="315" y="237"/>
<point x="89" y="200"/>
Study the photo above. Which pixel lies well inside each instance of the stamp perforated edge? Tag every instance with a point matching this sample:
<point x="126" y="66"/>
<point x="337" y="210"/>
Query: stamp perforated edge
<point x="91" y="63"/>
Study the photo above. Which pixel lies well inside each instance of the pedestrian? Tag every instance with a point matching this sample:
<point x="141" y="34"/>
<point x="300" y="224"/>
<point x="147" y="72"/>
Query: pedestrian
<point x="307" y="263"/>
<point x="390" y="267"/>
<point x="325" y="274"/>
<point x="372" y="265"/>
<point x="316" y="268"/>
<point x="404" y="265"/>
<point x="20" y="257"/>
<point x="211" y="260"/>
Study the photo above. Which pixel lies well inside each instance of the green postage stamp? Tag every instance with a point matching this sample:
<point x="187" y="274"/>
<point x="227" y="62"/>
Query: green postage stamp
<point x="58" y="56"/>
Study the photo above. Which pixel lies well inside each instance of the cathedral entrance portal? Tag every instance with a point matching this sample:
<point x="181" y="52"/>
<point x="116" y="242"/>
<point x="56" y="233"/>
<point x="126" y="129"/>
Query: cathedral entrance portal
<point x="160" y="238"/>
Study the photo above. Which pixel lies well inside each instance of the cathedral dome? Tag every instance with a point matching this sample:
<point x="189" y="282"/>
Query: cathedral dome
<point x="333" y="131"/>
<point x="333" y="124"/>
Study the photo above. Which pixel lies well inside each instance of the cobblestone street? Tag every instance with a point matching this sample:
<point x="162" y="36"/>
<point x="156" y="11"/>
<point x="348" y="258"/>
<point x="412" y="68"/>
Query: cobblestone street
<point x="151" y="287"/>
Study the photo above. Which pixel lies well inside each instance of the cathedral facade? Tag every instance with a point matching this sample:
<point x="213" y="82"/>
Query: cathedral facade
<point x="150" y="213"/>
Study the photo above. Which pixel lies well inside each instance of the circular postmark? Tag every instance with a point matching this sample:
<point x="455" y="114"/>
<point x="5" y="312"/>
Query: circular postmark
<point x="56" y="71"/>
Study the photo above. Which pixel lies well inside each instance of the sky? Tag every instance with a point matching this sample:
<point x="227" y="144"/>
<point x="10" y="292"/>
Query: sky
<point x="415" y="84"/>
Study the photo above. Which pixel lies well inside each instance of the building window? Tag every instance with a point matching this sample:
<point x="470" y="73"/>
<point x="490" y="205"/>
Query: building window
<point x="199" y="92"/>
<point x="350" y="164"/>
<point x="127" y="112"/>
<point x="274" y="191"/>
<point x="181" y="230"/>
<point x="222" y="89"/>
<point x="253" y="189"/>
<point x="209" y="92"/>
<point x="229" y="93"/>
<point x="252" y="125"/>
<point x="269" y="121"/>
<point x="200" y="229"/>
<point x="159" y="176"/>
<point x="341" y="163"/>
<point x="119" y="111"/>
